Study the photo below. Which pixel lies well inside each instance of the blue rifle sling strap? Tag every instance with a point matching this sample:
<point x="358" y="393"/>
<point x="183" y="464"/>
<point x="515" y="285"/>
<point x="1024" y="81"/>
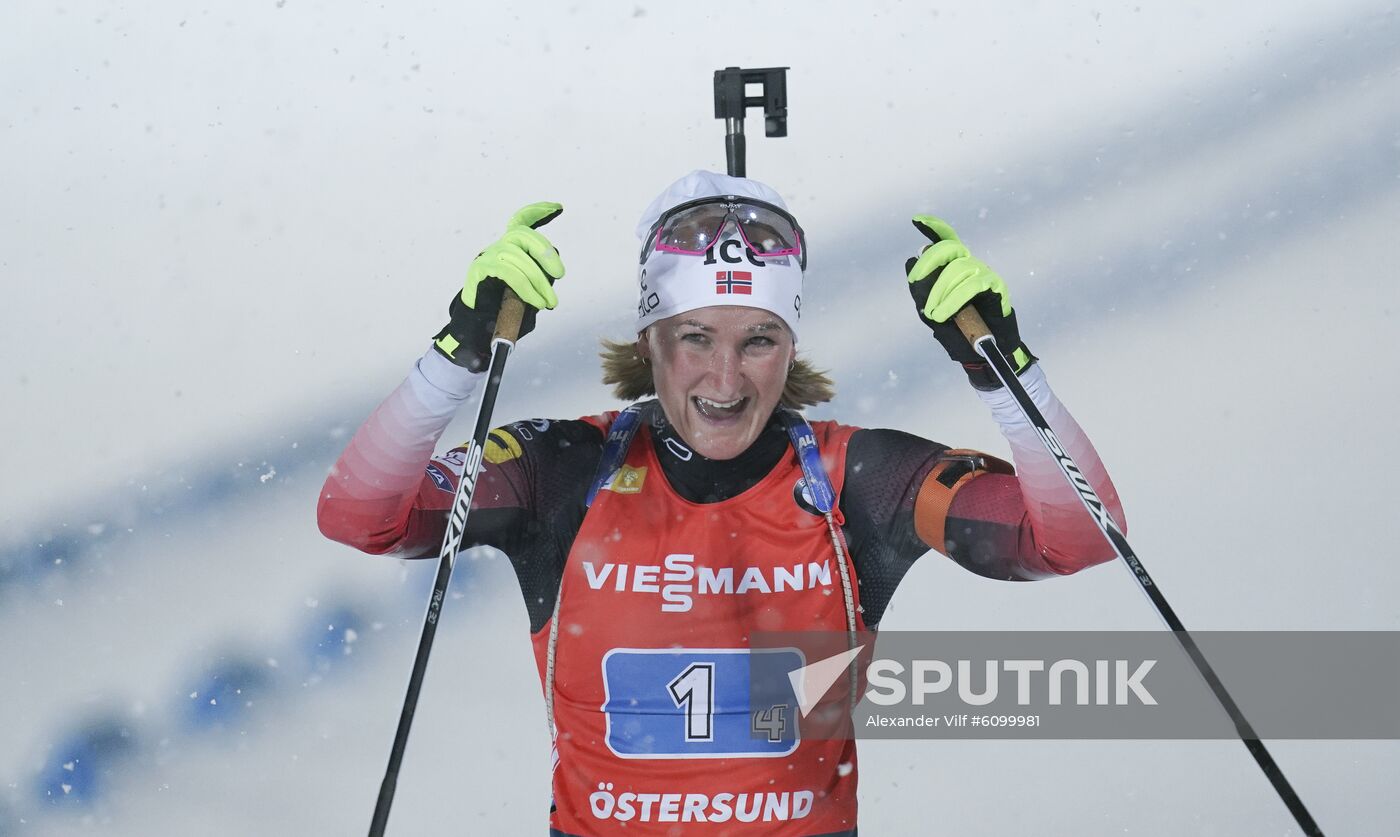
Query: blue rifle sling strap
<point x="809" y="457"/>
<point x="620" y="434"/>
<point x="804" y="441"/>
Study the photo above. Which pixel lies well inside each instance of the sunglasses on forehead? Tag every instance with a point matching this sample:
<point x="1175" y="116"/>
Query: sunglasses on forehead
<point x="693" y="227"/>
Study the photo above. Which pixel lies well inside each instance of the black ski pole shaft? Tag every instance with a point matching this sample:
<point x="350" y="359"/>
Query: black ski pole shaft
<point x="976" y="332"/>
<point x="507" y="329"/>
<point x="734" y="147"/>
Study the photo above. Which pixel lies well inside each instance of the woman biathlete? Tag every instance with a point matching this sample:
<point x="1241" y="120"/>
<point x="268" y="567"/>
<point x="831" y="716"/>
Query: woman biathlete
<point x="652" y="542"/>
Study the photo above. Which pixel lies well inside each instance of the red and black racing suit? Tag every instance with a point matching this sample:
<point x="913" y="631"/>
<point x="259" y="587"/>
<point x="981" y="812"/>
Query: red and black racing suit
<point x="900" y="495"/>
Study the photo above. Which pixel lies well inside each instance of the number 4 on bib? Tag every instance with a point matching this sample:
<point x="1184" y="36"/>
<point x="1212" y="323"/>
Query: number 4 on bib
<point x="664" y="703"/>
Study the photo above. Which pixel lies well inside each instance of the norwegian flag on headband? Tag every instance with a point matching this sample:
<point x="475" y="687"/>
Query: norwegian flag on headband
<point x="733" y="282"/>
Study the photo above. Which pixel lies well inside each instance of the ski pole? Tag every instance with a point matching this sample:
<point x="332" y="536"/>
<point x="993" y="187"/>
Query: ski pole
<point x="507" y="330"/>
<point x="972" y="326"/>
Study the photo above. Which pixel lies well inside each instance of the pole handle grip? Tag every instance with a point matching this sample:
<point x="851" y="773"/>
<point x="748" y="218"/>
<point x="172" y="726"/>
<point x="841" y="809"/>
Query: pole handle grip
<point x="971" y="324"/>
<point x="508" y="320"/>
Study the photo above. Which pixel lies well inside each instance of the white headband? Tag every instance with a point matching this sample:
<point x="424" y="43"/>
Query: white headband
<point x="730" y="274"/>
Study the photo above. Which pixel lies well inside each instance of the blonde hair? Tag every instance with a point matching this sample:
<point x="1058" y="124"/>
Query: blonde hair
<point x="631" y="380"/>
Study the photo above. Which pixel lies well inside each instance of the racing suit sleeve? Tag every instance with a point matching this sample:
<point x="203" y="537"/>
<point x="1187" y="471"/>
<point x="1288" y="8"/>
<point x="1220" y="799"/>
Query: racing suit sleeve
<point x="904" y="495"/>
<point x="1028" y="525"/>
<point x="387" y="493"/>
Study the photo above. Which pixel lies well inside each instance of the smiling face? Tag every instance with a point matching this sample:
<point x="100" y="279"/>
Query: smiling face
<point x="719" y="374"/>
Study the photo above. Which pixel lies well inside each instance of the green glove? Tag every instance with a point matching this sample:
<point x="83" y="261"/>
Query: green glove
<point x="943" y="280"/>
<point x="522" y="260"/>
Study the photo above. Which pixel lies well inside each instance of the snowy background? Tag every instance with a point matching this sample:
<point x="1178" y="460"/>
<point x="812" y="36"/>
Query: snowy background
<point x="228" y="229"/>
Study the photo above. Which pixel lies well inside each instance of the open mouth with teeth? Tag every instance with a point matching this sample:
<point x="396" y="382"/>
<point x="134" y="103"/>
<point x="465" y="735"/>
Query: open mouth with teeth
<point x="719" y="410"/>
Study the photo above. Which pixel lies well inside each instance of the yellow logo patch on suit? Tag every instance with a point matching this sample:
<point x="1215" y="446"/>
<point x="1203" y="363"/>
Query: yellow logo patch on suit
<point x="628" y="480"/>
<point x="501" y="447"/>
